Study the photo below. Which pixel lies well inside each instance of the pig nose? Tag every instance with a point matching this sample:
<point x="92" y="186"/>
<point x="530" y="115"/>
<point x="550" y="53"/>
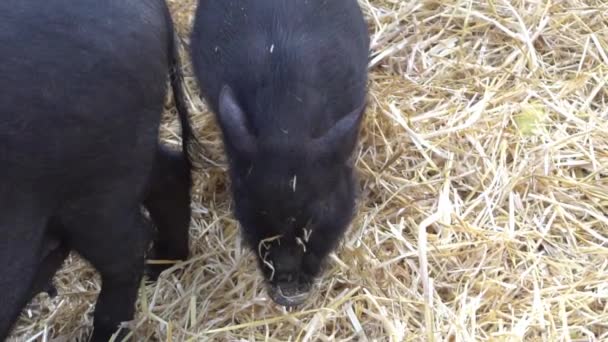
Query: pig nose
<point x="286" y="277"/>
<point x="286" y="265"/>
<point x="289" y="295"/>
<point x="286" y="259"/>
<point x="289" y="287"/>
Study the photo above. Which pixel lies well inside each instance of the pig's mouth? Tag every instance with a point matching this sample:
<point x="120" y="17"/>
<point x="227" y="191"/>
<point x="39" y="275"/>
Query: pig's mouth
<point x="289" y="294"/>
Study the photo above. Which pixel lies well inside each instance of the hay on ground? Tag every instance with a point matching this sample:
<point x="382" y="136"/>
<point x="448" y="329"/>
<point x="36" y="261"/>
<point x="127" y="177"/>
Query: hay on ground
<point x="484" y="173"/>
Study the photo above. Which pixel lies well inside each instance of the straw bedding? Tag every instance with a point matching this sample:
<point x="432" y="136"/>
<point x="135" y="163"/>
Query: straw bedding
<point x="483" y="167"/>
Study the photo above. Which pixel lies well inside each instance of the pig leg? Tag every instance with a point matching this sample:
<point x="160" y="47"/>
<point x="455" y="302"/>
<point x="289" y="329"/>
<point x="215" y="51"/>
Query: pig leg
<point x="53" y="260"/>
<point x="20" y="238"/>
<point x="113" y="238"/>
<point x="168" y="203"/>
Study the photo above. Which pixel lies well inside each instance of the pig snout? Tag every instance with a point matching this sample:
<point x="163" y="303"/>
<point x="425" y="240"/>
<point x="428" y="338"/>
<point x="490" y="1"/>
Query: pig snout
<point x="289" y="286"/>
<point x="289" y="294"/>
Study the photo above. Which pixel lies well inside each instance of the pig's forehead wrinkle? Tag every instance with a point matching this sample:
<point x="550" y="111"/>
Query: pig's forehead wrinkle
<point x="290" y="187"/>
<point x="288" y="117"/>
<point x="280" y="203"/>
<point x="286" y="106"/>
<point x="279" y="153"/>
<point x="274" y="168"/>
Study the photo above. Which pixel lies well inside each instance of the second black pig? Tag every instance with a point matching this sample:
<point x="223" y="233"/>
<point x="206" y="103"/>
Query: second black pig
<point x="287" y="81"/>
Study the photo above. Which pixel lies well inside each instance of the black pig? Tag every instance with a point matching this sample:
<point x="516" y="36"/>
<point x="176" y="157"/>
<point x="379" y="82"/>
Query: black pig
<point x="82" y="89"/>
<point x="287" y="82"/>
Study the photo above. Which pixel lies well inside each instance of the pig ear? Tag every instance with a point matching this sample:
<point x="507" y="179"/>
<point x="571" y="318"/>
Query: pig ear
<point x="338" y="142"/>
<point x="234" y="123"/>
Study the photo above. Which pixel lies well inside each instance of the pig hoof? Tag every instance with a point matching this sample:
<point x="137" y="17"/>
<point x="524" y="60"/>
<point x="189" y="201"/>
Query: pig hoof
<point x="51" y="290"/>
